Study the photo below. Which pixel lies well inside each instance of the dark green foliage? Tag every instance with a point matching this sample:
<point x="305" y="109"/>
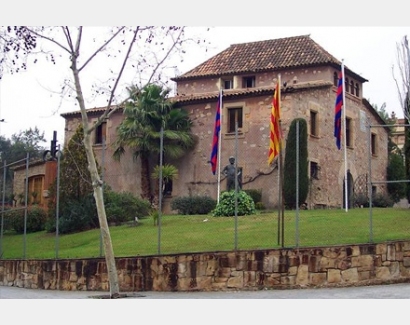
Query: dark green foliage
<point x="36" y="219"/>
<point x="289" y="169"/>
<point x="382" y="201"/>
<point x="75" y="178"/>
<point x="190" y="205"/>
<point x="361" y="200"/>
<point x="379" y="200"/>
<point x="226" y="206"/>
<point x="77" y="209"/>
<point x="147" y="112"/>
<point x="396" y="171"/>
<point x="260" y="206"/>
<point x="123" y="207"/>
<point x="256" y="195"/>
<point x="78" y="215"/>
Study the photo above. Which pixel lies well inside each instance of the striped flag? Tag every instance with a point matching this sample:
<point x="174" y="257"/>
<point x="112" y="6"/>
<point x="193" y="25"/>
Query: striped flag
<point x="338" y="111"/>
<point x="217" y="130"/>
<point x="275" y="133"/>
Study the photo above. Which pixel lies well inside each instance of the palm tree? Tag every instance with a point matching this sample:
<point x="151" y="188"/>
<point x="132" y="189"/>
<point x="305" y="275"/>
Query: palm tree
<point x="147" y="111"/>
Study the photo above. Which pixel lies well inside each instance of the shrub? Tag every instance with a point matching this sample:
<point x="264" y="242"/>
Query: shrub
<point x="361" y="200"/>
<point x="189" y="205"/>
<point x="256" y="195"/>
<point x="124" y="206"/>
<point x="36" y="219"/>
<point x="260" y="206"/>
<point x="226" y="206"/>
<point x="79" y="215"/>
<point x="382" y="200"/>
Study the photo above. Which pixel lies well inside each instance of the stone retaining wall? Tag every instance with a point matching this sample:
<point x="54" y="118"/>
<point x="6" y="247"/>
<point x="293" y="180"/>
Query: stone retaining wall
<point x="241" y="270"/>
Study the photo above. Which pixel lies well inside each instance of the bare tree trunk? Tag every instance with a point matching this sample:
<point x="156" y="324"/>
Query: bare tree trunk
<point x="98" y="189"/>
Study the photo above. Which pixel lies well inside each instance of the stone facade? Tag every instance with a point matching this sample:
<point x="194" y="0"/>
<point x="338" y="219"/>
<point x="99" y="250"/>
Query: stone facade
<point x="242" y="270"/>
<point x="45" y="172"/>
<point x="307" y="92"/>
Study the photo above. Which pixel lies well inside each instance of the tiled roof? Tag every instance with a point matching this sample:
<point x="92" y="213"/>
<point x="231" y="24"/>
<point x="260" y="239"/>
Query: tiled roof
<point x="231" y="93"/>
<point x="90" y="111"/>
<point x="275" y="54"/>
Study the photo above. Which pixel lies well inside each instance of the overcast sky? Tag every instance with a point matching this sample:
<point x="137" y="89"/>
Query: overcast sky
<point x="27" y="99"/>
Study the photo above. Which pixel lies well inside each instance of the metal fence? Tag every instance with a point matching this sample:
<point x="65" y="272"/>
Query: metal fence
<point x="169" y="234"/>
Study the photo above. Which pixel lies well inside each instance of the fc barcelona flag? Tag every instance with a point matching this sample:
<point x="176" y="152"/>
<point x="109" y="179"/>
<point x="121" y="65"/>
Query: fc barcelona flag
<point x="217" y="130"/>
<point x="338" y="111"/>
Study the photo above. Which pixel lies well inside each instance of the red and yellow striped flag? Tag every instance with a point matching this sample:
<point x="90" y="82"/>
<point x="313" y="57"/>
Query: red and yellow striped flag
<point x="275" y="132"/>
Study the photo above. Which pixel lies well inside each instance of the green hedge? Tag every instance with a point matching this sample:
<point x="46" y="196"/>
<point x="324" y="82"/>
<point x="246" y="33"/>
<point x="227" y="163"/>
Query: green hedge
<point x="190" y="205"/>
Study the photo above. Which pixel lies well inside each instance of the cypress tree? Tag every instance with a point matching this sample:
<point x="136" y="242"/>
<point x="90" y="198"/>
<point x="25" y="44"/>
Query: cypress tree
<point x="289" y="169"/>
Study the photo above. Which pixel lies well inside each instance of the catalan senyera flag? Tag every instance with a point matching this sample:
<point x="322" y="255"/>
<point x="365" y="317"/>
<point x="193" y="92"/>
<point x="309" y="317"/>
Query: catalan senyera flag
<point x="215" y="140"/>
<point x="338" y="111"/>
<point x="275" y="132"/>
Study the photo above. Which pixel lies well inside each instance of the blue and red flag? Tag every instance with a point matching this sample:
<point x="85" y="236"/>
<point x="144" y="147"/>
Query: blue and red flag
<point x="215" y="140"/>
<point x="338" y="111"/>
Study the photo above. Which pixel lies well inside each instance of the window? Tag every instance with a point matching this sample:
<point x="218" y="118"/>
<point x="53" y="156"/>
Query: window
<point x="352" y="87"/>
<point x="248" y="82"/>
<point x="313" y="124"/>
<point x="348" y="122"/>
<point x="335" y="79"/>
<point x="100" y="133"/>
<point x="374" y="144"/>
<point x="234" y="115"/>
<point x="357" y="90"/>
<point x="346" y="84"/>
<point x="227" y="84"/>
<point x="314" y="170"/>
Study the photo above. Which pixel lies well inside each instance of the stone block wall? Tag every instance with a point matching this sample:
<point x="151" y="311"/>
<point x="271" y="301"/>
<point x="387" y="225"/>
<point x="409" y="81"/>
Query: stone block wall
<point x="241" y="270"/>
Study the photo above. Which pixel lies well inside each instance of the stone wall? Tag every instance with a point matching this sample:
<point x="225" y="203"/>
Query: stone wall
<point x="242" y="270"/>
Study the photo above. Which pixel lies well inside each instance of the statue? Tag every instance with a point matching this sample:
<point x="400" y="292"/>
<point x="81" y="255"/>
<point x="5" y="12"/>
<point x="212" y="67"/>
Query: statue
<point x="229" y="172"/>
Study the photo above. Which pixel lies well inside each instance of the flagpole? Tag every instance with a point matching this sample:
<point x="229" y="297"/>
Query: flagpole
<point x="281" y="206"/>
<point x="344" y="134"/>
<point x="219" y="144"/>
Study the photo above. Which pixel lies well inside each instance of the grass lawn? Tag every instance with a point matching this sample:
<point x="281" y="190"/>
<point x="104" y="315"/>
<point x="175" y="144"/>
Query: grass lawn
<point x="186" y="234"/>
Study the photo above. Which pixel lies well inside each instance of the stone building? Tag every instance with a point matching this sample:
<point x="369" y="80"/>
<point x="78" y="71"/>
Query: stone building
<point x="34" y="180"/>
<point x="247" y="73"/>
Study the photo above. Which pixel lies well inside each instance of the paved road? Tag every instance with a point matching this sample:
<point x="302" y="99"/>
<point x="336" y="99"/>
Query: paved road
<point x="390" y="291"/>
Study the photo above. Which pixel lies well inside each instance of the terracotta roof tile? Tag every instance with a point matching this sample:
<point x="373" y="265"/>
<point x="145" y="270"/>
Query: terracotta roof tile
<point x="230" y="93"/>
<point x="90" y="111"/>
<point x="275" y="54"/>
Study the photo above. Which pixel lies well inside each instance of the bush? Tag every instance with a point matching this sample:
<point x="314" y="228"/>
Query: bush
<point x="260" y="206"/>
<point x="123" y="206"/>
<point x="256" y="195"/>
<point x="190" y="205"/>
<point x="78" y="216"/>
<point x="226" y="206"/>
<point x="361" y="200"/>
<point x="382" y="201"/>
<point x="36" y="219"/>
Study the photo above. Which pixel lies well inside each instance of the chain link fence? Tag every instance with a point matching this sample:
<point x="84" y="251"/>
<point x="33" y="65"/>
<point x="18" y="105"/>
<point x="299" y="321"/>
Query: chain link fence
<point x="277" y="227"/>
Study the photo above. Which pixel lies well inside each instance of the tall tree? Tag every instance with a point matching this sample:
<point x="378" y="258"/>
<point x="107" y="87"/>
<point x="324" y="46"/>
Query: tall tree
<point x="289" y="184"/>
<point x="403" y="89"/>
<point x="145" y="113"/>
<point x="117" y="52"/>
